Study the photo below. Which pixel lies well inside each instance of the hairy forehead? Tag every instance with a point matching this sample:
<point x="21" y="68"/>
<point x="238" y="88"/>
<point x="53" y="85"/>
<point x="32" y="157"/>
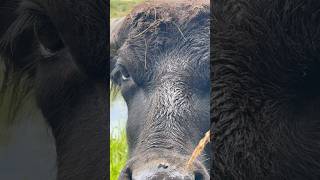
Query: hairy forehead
<point x="162" y="18"/>
<point x="160" y="33"/>
<point x="177" y="7"/>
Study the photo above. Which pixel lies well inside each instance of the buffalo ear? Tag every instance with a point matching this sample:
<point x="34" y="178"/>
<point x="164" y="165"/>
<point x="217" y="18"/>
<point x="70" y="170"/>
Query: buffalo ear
<point x="115" y="28"/>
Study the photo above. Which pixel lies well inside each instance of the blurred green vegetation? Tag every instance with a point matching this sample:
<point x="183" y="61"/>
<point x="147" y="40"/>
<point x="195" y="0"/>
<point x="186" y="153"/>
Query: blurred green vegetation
<point x="118" y="153"/>
<point x="120" y="8"/>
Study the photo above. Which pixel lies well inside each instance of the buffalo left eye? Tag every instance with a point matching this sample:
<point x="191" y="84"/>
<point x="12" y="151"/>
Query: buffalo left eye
<point x="124" y="74"/>
<point x="120" y="74"/>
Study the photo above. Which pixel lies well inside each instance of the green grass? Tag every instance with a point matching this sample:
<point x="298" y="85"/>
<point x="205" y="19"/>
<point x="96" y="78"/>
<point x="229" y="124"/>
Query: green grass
<point x="118" y="154"/>
<point x="120" y="8"/>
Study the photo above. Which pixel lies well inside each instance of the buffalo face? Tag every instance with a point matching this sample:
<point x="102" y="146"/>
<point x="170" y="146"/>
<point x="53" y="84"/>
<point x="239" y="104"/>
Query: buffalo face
<point x="160" y="63"/>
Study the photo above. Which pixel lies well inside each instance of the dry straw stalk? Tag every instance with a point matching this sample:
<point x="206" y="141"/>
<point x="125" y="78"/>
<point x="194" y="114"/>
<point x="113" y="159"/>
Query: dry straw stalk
<point x="199" y="149"/>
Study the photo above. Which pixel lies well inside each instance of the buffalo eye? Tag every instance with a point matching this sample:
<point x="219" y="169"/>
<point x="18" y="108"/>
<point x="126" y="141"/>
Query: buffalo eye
<point x="120" y="74"/>
<point x="48" y="37"/>
<point x="124" y="74"/>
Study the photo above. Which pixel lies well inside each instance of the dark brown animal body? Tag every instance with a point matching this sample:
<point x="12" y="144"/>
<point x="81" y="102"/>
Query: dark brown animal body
<point x="265" y="70"/>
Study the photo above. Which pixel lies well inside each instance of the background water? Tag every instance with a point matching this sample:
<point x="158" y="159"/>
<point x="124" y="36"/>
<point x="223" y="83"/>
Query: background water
<point x="118" y="115"/>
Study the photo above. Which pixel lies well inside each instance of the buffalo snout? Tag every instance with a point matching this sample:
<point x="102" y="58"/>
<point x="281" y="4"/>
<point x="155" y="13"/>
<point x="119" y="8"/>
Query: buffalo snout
<point x="166" y="168"/>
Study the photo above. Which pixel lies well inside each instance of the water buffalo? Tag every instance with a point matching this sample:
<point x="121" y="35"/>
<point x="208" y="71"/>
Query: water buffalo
<point x="160" y="63"/>
<point x="53" y="79"/>
<point x="265" y="89"/>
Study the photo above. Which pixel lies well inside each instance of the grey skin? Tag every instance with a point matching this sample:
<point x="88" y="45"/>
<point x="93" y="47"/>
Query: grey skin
<point x="160" y="64"/>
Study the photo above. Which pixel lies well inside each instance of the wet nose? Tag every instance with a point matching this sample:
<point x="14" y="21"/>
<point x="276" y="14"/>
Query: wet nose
<point x="162" y="172"/>
<point x="167" y="172"/>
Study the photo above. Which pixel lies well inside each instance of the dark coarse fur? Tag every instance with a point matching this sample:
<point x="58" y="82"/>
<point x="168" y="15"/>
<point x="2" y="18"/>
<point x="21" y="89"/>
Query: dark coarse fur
<point x="58" y="48"/>
<point x="266" y="89"/>
<point x="164" y="46"/>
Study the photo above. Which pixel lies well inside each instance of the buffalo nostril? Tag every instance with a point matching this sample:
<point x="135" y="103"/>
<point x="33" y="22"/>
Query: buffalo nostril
<point x="198" y="175"/>
<point x="163" y="166"/>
